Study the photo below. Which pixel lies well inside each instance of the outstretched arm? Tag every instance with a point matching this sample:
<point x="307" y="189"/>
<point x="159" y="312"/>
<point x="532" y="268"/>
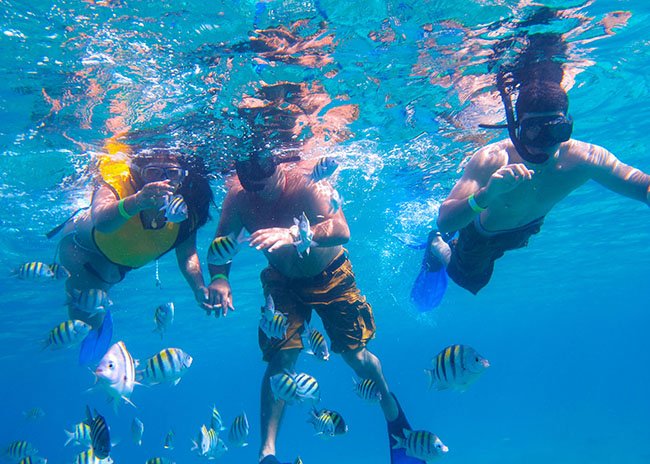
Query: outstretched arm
<point x="625" y="180"/>
<point x="190" y="266"/>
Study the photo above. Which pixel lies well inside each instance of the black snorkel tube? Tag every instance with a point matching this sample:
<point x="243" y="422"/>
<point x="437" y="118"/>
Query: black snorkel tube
<point x="535" y="158"/>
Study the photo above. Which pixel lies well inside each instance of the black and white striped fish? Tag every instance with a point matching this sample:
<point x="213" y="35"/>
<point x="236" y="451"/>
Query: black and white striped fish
<point x="273" y="323"/>
<point x="420" y="444"/>
<point x="90" y="457"/>
<point x="284" y="387"/>
<point x="66" y="334"/>
<point x="308" y="388"/>
<point x="59" y="271"/>
<point x="100" y="437"/>
<point x="169" y="440"/>
<point x="323" y="169"/>
<point x="322" y="422"/>
<point x="316" y="343"/>
<point x="80" y="435"/>
<point x="163" y="317"/>
<point x="306" y="235"/>
<point x="175" y="209"/>
<point x="33" y="460"/>
<point x="158" y="461"/>
<point x="216" y="423"/>
<point x="238" y="433"/>
<point x="457" y="366"/>
<point x="34" y="271"/>
<point x="33" y="415"/>
<point x="169" y="365"/>
<point x="92" y="301"/>
<point x="209" y="444"/>
<point x="340" y="428"/>
<point x="116" y="373"/>
<point x="137" y="430"/>
<point x="20" y="449"/>
<point x="223" y="249"/>
<point x="368" y="391"/>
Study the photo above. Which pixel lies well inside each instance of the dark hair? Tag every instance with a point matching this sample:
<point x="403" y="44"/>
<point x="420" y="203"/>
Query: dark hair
<point x="541" y="96"/>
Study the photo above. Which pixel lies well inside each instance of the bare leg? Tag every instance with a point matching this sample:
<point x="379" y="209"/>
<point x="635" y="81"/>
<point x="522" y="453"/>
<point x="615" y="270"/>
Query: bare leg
<point x="367" y="366"/>
<point x="271" y="410"/>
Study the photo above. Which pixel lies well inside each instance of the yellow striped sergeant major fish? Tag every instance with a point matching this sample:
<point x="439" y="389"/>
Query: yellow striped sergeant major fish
<point x="316" y="343"/>
<point x="223" y="249"/>
<point x="368" y="391"/>
<point x="238" y="433"/>
<point x="34" y="271"/>
<point x="65" y="334"/>
<point x="457" y="366"/>
<point x="284" y="387"/>
<point x="307" y="387"/>
<point x="169" y="365"/>
<point x="420" y="444"/>
<point x="20" y="449"/>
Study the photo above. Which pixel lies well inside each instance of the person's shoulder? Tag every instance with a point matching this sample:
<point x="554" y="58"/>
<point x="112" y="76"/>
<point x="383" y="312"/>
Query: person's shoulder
<point x="491" y="156"/>
<point x="584" y="152"/>
<point x="234" y="190"/>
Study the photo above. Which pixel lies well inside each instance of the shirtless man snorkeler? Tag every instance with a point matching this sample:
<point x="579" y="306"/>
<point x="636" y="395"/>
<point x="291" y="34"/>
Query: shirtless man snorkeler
<point x="264" y="200"/>
<point x="508" y="187"/>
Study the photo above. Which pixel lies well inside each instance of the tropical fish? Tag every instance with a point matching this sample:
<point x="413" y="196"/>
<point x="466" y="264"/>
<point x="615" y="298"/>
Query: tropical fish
<point x="59" y="271"/>
<point x="216" y="423"/>
<point x="420" y="444"/>
<point x="163" y="317"/>
<point x="169" y="365"/>
<point x="175" y="208"/>
<point x="457" y="366"/>
<point x="137" y="430"/>
<point x="335" y="201"/>
<point x="90" y="457"/>
<point x="116" y="372"/>
<point x="66" y="334"/>
<point x="307" y="387"/>
<point x="158" y="461"/>
<point x="284" y="387"/>
<point x="323" y="169"/>
<point x="80" y="435"/>
<point x="304" y="230"/>
<point x="92" y="301"/>
<point x="368" y="391"/>
<point x="322" y="422"/>
<point x="34" y="414"/>
<point x="20" y="449"/>
<point x="316" y="343"/>
<point x="238" y="433"/>
<point x="100" y="438"/>
<point x="169" y="440"/>
<point x="340" y="428"/>
<point x="209" y="444"/>
<point x="298" y="461"/>
<point x="32" y="460"/>
<point x="273" y="323"/>
<point x="34" y="271"/>
<point x="223" y="249"/>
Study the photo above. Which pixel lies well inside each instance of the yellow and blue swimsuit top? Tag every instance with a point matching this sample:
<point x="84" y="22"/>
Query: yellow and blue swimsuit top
<point x="131" y="245"/>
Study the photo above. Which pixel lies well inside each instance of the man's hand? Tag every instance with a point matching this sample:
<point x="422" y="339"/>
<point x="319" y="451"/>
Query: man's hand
<point x="506" y="178"/>
<point x="217" y="295"/>
<point x="271" y="239"/>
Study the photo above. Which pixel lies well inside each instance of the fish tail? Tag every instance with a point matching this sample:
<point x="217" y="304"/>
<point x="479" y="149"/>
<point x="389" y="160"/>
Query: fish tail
<point x="431" y="375"/>
<point x="70" y="437"/>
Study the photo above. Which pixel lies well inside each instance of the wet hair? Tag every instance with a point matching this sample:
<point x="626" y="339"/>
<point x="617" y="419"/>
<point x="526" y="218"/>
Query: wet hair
<point x="541" y="96"/>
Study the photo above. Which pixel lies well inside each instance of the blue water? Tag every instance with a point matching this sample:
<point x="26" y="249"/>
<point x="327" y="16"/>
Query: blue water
<point x="563" y="322"/>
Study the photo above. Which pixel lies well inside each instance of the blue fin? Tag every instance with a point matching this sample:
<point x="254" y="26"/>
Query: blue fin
<point x="431" y="283"/>
<point x="97" y="342"/>
<point x="396" y="427"/>
<point x="271" y="459"/>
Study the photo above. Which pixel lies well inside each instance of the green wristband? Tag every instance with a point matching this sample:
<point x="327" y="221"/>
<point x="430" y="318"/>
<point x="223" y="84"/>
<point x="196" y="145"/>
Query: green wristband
<point x="218" y="276"/>
<point x="120" y="206"/>
<point x="472" y="204"/>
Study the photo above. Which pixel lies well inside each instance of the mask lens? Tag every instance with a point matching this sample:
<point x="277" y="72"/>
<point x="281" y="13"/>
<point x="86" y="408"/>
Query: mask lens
<point x="158" y="173"/>
<point x="545" y="131"/>
<point x="252" y="170"/>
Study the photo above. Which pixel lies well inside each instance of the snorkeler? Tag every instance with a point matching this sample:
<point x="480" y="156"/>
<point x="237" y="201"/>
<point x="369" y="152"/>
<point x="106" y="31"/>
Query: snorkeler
<point x="300" y="277"/>
<point x="143" y="207"/>
<point x="508" y="187"/>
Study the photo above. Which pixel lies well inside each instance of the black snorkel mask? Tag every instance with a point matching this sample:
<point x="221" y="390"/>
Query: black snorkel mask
<point x="540" y="131"/>
<point x="254" y="169"/>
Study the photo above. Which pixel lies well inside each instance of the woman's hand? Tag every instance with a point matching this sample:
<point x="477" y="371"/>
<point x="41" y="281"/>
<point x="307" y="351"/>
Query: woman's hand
<point x="153" y="194"/>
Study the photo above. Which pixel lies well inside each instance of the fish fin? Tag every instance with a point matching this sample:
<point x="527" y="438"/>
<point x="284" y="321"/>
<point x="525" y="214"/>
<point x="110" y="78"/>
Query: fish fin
<point x="129" y="401"/>
<point x="70" y="436"/>
<point x="176" y="382"/>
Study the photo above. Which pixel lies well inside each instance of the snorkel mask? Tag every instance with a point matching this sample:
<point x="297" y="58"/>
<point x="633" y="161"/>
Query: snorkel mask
<point x="539" y="131"/>
<point x="254" y="169"/>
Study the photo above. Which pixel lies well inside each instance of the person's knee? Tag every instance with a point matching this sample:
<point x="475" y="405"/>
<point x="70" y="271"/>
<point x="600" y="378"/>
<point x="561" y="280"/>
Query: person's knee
<point x="283" y="359"/>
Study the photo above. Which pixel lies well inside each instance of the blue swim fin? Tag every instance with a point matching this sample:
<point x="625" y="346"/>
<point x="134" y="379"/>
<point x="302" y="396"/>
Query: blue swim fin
<point x="97" y="342"/>
<point x="396" y="427"/>
<point x="431" y="283"/>
<point x="271" y="459"/>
